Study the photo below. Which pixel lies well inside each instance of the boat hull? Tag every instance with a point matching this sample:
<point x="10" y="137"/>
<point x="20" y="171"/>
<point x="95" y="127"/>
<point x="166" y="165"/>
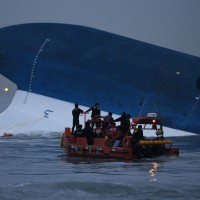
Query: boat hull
<point x="77" y="147"/>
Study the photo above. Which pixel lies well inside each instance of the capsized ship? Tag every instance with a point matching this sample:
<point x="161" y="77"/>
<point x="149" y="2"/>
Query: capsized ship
<point x="57" y="63"/>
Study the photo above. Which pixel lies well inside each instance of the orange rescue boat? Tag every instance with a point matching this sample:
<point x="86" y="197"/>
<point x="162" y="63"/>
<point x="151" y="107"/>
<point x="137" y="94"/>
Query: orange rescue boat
<point x="103" y="147"/>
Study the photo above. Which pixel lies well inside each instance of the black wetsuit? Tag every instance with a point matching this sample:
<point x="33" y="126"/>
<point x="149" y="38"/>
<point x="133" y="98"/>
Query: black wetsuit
<point x="89" y="134"/>
<point x="95" y="111"/>
<point x="125" y="127"/>
<point x="75" y="113"/>
<point x="79" y="133"/>
<point x="120" y="119"/>
<point x="138" y="135"/>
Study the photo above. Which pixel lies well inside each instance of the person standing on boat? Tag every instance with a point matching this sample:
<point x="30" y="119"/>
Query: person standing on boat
<point x="107" y="120"/>
<point x="79" y="131"/>
<point x="89" y="133"/>
<point x="121" y="119"/>
<point x="125" y="130"/>
<point x="137" y="135"/>
<point x="76" y="113"/>
<point x="125" y="126"/>
<point x="95" y="112"/>
<point x="98" y="130"/>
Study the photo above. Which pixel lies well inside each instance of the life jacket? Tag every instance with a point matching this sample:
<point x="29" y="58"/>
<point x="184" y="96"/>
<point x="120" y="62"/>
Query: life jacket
<point x="137" y="134"/>
<point x="78" y="133"/>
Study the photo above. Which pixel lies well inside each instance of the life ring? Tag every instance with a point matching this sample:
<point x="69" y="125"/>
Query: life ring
<point x="126" y="141"/>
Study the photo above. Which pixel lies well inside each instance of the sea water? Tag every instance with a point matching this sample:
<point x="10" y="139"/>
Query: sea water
<point x="34" y="167"/>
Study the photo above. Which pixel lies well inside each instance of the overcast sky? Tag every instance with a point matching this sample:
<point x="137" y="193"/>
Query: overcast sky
<point x="174" y="24"/>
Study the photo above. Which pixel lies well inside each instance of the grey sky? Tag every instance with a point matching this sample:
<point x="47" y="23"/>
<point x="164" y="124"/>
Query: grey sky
<point x="174" y="24"/>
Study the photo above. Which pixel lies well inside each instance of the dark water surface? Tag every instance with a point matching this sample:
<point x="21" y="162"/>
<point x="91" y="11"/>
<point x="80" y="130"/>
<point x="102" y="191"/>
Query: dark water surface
<point x="34" y="167"/>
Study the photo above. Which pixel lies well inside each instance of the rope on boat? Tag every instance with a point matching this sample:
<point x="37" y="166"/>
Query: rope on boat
<point x="188" y="117"/>
<point x="142" y="107"/>
<point x="154" y="103"/>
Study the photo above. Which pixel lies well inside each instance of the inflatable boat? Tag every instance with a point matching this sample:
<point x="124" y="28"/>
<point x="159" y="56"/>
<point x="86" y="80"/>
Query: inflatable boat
<point x="128" y="149"/>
